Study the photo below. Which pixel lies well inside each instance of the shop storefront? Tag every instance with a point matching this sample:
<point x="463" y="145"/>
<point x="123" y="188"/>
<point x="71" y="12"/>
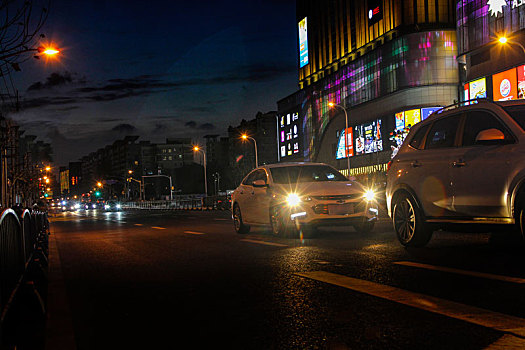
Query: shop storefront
<point x="491" y="68"/>
<point x="388" y="72"/>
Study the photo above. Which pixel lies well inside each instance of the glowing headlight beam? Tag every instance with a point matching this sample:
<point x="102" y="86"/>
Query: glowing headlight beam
<point x="369" y="195"/>
<point x="293" y="199"/>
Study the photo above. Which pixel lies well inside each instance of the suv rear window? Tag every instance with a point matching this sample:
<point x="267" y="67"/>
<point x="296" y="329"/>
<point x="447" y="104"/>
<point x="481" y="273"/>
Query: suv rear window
<point x="518" y="114"/>
<point x="417" y="140"/>
<point x="443" y="133"/>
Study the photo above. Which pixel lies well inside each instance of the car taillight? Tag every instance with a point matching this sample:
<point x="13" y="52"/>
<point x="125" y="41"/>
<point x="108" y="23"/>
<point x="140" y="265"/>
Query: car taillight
<point x="388" y="165"/>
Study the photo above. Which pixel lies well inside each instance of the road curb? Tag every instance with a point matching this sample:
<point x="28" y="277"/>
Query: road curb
<point x="59" y="328"/>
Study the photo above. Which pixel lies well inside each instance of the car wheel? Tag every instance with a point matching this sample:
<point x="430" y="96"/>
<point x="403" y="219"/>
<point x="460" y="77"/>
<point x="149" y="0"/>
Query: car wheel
<point x="278" y="224"/>
<point x="239" y="225"/>
<point x="364" y="226"/>
<point x="408" y="223"/>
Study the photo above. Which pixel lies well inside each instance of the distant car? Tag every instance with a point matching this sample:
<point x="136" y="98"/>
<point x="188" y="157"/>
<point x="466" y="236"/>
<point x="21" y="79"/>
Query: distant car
<point x="462" y="166"/>
<point x="112" y="206"/>
<point x="290" y="197"/>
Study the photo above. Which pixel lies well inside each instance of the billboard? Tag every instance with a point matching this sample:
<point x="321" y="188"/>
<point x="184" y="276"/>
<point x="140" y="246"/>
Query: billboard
<point x="289" y="130"/>
<point x="368" y="137"/>
<point x="412" y="117"/>
<point x="349" y="136"/>
<point x="478" y="89"/>
<point x="303" y="43"/>
<point x="505" y="85"/>
<point x="426" y="112"/>
<point x="521" y="82"/>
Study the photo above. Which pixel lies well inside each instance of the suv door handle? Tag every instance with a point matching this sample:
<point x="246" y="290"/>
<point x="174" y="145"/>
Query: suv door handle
<point x="415" y="164"/>
<point x="459" y="163"/>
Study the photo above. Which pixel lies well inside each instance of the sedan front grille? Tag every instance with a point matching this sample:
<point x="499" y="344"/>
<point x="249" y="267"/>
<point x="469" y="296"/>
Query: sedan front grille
<point x="338" y="197"/>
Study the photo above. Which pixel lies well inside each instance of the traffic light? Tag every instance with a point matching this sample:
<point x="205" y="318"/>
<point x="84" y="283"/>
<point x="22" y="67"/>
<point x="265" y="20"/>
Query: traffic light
<point x="97" y="193"/>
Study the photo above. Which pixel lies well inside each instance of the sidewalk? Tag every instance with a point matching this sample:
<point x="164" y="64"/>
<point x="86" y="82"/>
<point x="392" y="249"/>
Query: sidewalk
<point x="59" y="327"/>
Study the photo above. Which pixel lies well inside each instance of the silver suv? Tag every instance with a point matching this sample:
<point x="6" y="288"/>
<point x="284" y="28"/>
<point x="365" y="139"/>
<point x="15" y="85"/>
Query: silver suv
<point x="461" y="166"/>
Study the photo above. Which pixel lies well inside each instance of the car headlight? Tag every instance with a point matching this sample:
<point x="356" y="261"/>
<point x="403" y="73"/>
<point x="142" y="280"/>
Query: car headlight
<point x="369" y="195"/>
<point x="106" y="206"/>
<point x="293" y="200"/>
<point x="118" y="206"/>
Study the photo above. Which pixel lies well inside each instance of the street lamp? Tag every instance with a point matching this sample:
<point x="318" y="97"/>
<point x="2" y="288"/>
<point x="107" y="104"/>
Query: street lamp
<point x="198" y="149"/>
<point x="48" y="51"/>
<point x="504" y="40"/>
<point x="333" y="105"/>
<point x="246" y="137"/>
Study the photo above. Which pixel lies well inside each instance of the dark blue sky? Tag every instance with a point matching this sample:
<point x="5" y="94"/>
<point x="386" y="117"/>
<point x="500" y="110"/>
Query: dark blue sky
<point x="156" y="69"/>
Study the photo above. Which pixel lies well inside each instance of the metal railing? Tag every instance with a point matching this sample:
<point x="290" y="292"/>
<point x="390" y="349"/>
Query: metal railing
<point x="23" y="241"/>
<point x="183" y="203"/>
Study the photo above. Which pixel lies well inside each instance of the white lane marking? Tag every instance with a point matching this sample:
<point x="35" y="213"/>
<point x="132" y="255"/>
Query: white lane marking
<point x="194" y="233"/>
<point x="462" y="272"/>
<point x="500" y="322"/>
<point x="158" y="228"/>
<point x="264" y="242"/>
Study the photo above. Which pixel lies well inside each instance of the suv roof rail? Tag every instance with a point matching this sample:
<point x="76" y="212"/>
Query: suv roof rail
<point x="463" y="103"/>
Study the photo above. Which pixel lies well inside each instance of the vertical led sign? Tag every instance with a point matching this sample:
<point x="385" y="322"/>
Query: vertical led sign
<point x="303" y="43"/>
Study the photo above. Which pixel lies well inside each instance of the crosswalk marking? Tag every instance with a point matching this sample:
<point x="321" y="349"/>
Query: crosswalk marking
<point x="194" y="233"/>
<point x="486" y="318"/>
<point x="462" y="272"/>
<point x="264" y="242"/>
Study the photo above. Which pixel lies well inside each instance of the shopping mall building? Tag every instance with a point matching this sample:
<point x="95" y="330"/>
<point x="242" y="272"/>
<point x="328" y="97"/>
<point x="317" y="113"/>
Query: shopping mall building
<point x="389" y="64"/>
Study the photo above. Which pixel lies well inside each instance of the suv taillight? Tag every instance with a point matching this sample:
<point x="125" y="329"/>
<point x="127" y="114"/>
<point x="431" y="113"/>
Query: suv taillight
<point x="389" y="164"/>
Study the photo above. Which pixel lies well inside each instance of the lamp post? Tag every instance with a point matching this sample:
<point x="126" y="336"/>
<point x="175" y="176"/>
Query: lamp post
<point x="48" y="51"/>
<point x="198" y="149"/>
<point x="333" y="105"/>
<point x="504" y="40"/>
<point x="246" y="137"/>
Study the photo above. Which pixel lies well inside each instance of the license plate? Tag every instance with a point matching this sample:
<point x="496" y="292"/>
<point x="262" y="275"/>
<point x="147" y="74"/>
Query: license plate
<point x="340" y="209"/>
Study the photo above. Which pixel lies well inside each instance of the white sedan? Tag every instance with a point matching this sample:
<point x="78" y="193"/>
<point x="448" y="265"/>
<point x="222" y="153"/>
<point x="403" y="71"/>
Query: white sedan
<point x="292" y="197"/>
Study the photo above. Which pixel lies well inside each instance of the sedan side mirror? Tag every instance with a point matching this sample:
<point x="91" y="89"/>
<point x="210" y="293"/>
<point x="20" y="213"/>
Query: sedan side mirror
<point x="259" y="183"/>
<point x="490" y="136"/>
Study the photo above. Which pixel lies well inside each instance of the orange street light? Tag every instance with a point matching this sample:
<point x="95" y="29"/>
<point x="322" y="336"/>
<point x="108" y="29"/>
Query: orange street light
<point x="99" y="184"/>
<point x="48" y="168"/>
<point x="198" y="149"/>
<point x="334" y="105"/>
<point x="49" y="51"/>
<point x="504" y="40"/>
<point x="246" y="137"/>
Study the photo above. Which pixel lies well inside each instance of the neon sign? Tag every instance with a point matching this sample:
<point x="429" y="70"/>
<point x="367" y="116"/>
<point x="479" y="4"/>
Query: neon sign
<point x="496" y="6"/>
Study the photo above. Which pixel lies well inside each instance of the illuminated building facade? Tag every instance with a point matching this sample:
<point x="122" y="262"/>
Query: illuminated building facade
<point x="490" y="69"/>
<point x="378" y="59"/>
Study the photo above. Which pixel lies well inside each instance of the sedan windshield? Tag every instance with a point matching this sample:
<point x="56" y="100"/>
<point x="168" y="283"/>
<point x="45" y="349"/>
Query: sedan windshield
<point x="518" y="114"/>
<point x="306" y="173"/>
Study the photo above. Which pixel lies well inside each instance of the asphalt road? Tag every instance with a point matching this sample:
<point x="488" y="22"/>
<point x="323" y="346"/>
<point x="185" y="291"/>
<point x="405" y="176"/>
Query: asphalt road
<point x="185" y="279"/>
